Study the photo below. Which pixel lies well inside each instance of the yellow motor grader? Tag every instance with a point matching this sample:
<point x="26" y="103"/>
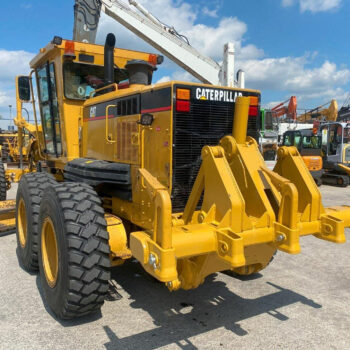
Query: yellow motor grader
<point x="164" y="173"/>
<point x="21" y="153"/>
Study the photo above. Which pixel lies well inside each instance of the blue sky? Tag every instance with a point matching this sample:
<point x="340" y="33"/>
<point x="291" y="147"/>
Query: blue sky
<point x="286" y="47"/>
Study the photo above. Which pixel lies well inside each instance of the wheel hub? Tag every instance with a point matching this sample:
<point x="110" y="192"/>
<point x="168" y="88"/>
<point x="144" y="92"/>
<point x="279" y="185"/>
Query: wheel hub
<point x="49" y="252"/>
<point x="22" y="223"/>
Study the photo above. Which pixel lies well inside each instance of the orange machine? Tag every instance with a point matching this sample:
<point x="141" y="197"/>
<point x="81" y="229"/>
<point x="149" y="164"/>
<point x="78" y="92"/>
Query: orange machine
<point x="289" y="111"/>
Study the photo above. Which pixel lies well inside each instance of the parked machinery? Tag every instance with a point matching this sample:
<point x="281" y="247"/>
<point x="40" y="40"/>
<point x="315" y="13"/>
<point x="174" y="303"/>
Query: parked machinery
<point x="321" y="113"/>
<point x="308" y="143"/>
<point x="274" y="122"/>
<point x="344" y="111"/>
<point x="163" y="173"/>
<point x="5" y="138"/>
<point x="336" y="153"/>
<point x="268" y="136"/>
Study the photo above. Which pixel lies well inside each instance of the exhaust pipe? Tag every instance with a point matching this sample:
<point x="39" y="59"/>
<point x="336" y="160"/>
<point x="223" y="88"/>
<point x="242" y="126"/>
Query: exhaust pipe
<point x="109" y="59"/>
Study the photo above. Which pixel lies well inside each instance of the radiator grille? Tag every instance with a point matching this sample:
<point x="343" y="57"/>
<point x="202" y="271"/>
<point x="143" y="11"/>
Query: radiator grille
<point x="206" y="124"/>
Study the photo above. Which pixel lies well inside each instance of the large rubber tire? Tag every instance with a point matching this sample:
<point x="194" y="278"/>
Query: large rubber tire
<point x="81" y="236"/>
<point x="3" y="183"/>
<point x="29" y="193"/>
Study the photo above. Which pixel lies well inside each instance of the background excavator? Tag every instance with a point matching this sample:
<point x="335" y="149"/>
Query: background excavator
<point x="287" y="111"/>
<point x="272" y="124"/>
<point x="344" y="112"/>
<point x="336" y="153"/>
<point x="308" y="142"/>
<point x="321" y="113"/>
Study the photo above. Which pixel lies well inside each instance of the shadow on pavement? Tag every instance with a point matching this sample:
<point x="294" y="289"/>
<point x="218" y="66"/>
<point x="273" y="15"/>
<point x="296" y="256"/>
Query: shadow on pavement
<point x="180" y="315"/>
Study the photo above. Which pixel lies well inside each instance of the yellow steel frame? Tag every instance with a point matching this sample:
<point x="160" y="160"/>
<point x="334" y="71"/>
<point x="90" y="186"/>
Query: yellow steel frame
<point x="247" y="212"/>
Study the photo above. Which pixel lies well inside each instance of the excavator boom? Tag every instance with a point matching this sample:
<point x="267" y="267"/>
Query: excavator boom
<point x="163" y="38"/>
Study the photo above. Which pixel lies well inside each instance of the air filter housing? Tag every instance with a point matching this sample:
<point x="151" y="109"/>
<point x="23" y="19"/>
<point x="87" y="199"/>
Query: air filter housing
<point x="140" y="72"/>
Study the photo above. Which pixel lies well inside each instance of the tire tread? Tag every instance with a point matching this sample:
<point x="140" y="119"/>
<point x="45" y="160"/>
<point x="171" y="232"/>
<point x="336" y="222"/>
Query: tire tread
<point x="88" y="249"/>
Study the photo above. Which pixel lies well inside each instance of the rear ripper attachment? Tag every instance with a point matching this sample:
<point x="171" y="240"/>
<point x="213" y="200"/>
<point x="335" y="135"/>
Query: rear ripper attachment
<point x="247" y="212"/>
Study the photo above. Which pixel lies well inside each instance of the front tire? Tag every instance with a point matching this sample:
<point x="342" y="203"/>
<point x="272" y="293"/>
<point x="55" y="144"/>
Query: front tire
<point x="73" y="250"/>
<point x="29" y="193"/>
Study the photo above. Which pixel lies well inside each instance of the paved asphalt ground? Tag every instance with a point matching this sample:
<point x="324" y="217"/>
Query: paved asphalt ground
<point x="298" y="302"/>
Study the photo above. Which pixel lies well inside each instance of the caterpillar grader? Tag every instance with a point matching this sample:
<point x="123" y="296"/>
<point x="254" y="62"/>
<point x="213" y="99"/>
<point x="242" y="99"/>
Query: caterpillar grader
<point x="162" y="173"/>
<point x="169" y="174"/>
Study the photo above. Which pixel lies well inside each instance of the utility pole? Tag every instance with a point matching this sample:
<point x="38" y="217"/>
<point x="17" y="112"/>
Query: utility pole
<point x="10" y="106"/>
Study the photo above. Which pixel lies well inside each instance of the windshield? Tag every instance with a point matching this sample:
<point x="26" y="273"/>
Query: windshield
<point x="313" y="142"/>
<point x="346" y="135"/>
<point x="81" y="79"/>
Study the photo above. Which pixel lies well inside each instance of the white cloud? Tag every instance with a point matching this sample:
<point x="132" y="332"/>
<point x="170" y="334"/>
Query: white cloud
<point x="5" y="99"/>
<point x="314" y="5"/>
<point x="209" y="40"/>
<point x="211" y="13"/>
<point x="284" y="76"/>
<point x="293" y="76"/>
<point x="287" y="3"/>
<point x="319" y="5"/>
<point x="164" y="79"/>
<point x="12" y="63"/>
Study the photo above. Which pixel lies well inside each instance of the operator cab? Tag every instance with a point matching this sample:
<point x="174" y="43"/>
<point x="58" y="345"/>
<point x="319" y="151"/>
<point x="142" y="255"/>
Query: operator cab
<point x="306" y="141"/>
<point x="67" y="74"/>
<point x="335" y="144"/>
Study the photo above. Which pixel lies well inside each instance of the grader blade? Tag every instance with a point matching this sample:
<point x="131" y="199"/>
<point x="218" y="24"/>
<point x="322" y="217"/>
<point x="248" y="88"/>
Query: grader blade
<point x="246" y="213"/>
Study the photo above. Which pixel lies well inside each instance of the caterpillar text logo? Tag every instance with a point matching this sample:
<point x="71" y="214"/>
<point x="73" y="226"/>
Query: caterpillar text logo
<point x="217" y="95"/>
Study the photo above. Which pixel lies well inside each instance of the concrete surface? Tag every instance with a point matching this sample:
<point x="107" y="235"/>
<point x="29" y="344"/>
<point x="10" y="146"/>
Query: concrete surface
<point x="298" y="302"/>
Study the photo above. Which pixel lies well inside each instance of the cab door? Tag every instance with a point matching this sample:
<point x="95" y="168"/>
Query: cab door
<point x="46" y="82"/>
<point x="332" y="135"/>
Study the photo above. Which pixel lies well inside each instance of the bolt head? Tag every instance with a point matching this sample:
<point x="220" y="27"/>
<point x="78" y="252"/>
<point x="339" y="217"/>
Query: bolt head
<point x="280" y="238"/>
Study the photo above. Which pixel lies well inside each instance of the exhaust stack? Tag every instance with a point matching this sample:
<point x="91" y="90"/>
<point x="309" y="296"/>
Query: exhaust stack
<point x="109" y="59"/>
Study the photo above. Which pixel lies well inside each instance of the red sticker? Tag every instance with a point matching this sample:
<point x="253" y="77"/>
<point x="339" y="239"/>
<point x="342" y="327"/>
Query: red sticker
<point x="158" y="128"/>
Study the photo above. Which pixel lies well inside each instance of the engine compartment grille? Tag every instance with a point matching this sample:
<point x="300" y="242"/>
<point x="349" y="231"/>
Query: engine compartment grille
<point x="206" y="124"/>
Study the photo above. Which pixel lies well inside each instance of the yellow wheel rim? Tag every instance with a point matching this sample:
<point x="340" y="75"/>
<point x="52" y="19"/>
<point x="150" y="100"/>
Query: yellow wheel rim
<point x="22" y="223"/>
<point x="49" y="252"/>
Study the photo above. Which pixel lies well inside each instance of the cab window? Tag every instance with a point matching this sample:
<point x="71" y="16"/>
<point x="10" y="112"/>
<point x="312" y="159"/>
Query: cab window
<point x="287" y="140"/>
<point x="81" y="79"/>
<point x="46" y="82"/>
<point x="313" y="142"/>
<point x="335" y="136"/>
<point x="347" y="134"/>
<point x="297" y="139"/>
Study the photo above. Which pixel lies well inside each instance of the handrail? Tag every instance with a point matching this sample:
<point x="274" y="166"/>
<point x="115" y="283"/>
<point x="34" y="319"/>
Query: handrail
<point x="108" y="139"/>
<point x="103" y="88"/>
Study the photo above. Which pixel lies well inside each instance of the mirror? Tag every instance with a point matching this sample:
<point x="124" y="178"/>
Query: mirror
<point x="23" y="88"/>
